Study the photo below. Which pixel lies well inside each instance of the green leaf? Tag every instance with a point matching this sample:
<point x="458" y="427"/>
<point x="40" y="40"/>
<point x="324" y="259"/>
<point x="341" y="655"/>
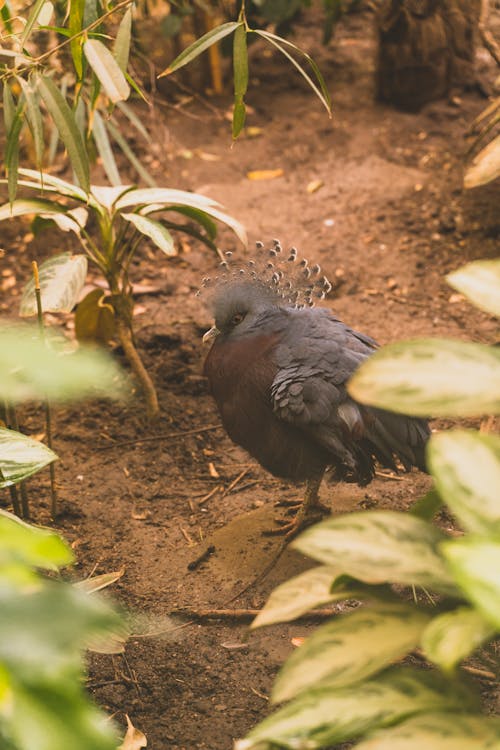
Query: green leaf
<point x="34" y="117"/>
<point x="107" y="70"/>
<point x="95" y="318"/>
<point x="451" y="637"/>
<point x="31" y="21"/>
<point x="22" y="207"/>
<point x="322" y="717"/>
<point x="21" y="456"/>
<point x="165" y="196"/>
<point x="480" y="282"/>
<point x="474" y="562"/>
<point x="427" y="506"/>
<point x="105" y="150"/>
<point x="240" y="69"/>
<point x="485" y="166"/>
<point x="122" y="42"/>
<point x="12" y="149"/>
<point x="239" y="116"/>
<point x="233" y="224"/>
<point x="154" y="230"/>
<point x="65" y="122"/>
<point x="350" y="648"/>
<point x="39" y="548"/>
<point x="466" y="469"/>
<point x="192" y="213"/>
<point x="200" y="45"/>
<point x="300" y="594"/>
<point x="431" y="376"/>
<point x="61" y="280"/>
<point x="45" y="181"/>
<point x="76" y="11"/>
<point x="9" y="107"/>
<point x="322" y="92"/>
<point x="378" y="547"/>
<point x="438" y="731"/>
<point x="31" y="369"/>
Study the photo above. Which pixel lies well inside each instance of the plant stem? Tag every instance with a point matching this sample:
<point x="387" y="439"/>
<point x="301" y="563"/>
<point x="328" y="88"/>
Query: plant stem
<point x="48" y="415"/>
<point x="22" y="510"/>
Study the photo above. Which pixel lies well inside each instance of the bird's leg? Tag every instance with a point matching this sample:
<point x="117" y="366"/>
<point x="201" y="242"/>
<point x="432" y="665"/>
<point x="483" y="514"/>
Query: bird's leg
<point x="308" y="511"/>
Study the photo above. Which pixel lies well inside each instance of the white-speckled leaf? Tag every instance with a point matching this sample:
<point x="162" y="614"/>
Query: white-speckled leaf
<point x="480" y="282"/>
<point x="21" y="456"/>
<point x="350" y="648"/>
<point x="437" y="377"/>
<point x="62" y="278"/>
<point x="323" y="716"/>
<point x="466" y="470"/>
<point x="154" y="230"/>
<point x="485" y="166"/>
<point x="475" y="564"/>
<point x="378" y="547"/>
<point x="452" y="636"/>
<point x="300" y="594"/>
<point x="438" y="731"/>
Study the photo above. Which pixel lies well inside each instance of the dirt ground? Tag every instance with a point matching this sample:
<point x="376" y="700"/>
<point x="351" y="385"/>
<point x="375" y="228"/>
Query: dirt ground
<point x="389" y="221"/>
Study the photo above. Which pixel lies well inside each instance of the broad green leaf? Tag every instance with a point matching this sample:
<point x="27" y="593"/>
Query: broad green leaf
<point x="44" y="181"/>
<point x="27" y="206"/>
<point x="65" y="122"/>
<point x="95" y="318"/>
<point x="107" y="70"/>
<point x="451" y="637"/>
<point x="122" y="41"/>
<point x="378" y="547"/>
<point x="466" y="469"/>
<point x="192" y="213"/>
<point x="351" y="648"/>
<point x="322" y="92"/>
<point x="240" y="74"/>
<point x="322" y="717"/>
<point x="34" y="117"/>
<point x="427" y="506"/>
<point x="106" y="197"/>
<point x="480" y="282"/>
<point x="485" y="166"/>
<point x="61" y="280"/>
<point x="21" y="456"/>
<point x="105" y="150"/>
<point x="154" y="230"/>
<point x="475" y="564"/>
<point x="31" y="369"/>
<point x="166" y="196"/>
<point x="31" y="21"/>
<point x="200" y="45"/>
<point x="39" y="548"/>
<point x="435" y="731"/>
<point x="300" y="594"/>
<point x="75" y="25"/>
<point x="135" y="162"/>
<point x="431" y="376"/>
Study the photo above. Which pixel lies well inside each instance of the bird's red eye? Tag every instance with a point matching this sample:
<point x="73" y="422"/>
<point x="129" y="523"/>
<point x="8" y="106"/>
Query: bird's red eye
<point x="237" y="319"/>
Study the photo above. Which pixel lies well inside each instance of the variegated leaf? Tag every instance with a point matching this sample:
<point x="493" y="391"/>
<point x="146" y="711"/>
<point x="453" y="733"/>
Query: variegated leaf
<point x="452" y="636"/>
<point x="21" y="456"/>
<point x="61" y="280"/>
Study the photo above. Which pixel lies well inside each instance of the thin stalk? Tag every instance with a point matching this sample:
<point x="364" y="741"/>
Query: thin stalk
<point x="20" y="509"/>
<point x="12" y="488"/>
<point x="48" y="414"/>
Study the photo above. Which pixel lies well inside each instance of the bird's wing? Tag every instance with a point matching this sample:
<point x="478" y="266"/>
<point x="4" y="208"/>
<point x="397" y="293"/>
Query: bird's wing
<point x="315" y="359"/>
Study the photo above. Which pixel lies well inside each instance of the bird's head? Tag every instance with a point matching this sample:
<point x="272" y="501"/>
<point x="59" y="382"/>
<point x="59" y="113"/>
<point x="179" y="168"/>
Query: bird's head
<point x="237" y="307"/>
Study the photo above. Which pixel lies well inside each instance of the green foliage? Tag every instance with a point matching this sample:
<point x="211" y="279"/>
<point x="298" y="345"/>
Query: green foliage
<point x="341" y="684"/>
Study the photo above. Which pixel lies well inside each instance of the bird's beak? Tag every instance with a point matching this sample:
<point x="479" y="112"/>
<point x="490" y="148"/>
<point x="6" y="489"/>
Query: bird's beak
<point x="210" y="335"/>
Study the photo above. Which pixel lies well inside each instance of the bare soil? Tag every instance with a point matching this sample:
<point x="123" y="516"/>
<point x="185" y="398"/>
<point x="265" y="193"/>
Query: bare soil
<point x="389" y="220"/>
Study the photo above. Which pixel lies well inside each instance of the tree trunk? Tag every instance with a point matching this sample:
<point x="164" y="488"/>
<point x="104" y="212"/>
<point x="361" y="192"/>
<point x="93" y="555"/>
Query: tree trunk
<point x="424" y="48"/>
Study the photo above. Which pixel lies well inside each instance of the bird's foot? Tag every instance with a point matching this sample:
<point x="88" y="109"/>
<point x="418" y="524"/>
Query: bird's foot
<point x="304" y="516"/>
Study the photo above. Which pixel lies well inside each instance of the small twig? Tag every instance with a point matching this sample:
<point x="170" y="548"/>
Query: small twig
<point x="207" y="497"/>
<point x="480" y="673"/>
<point x="389" y="476"/>
<point x="486" y="36"/>
<point x="201" y="558"/>
<point x="48" y="415"/>
<point x="244" y="614"/>
<point x="187" y="537"/>
<point x="163" y="436"/>
<point x="235" y="482"/>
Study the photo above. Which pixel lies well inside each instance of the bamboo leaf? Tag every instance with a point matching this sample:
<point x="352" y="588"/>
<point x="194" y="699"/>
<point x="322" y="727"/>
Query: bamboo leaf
<point x="438" y="731"/>
<point x="452" y="636"/>
<point x="239" y="116"/>
<point x="76" y="12"/>
<point x="134" y="120"/>
<point x="65" y="122"/>
<point x="9" y="107"/>
<point x="105" y="150"/>
<point x="431" y="376"/>
<point x="322" y="92"/>
<point x="34" y="117"/>
<point x="154" y="230"/>
<point x="351" y="648"/>
<point x="480" y="282"/>
<point x="466" y="469"/>
<point x="107" y="70"/>
<point x="240" y="71"/>
<point x="12" y="149"/>
<point x="61" y="280"/>
<point x="31" y="21"/>
<point x="323" y="717"/>
<point x="473" y="560"/>
<point x="122" y="42"/>
<point x="122" y="143"/>
<point x="378" y="547"/>
<point x="21" y="456"/>
<point x="200" y="45"/>
<point x="300" y="594"/>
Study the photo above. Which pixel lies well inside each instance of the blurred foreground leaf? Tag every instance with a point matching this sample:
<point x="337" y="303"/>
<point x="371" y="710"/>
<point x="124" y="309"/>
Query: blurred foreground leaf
<point x="480" y="282"/>
<point x="21" y="456"/>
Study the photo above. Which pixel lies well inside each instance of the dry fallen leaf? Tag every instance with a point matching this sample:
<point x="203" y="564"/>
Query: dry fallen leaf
<point x="314" y="186"/>
<point x="297" y="641"/>
<point x="134" y="739"/>
<point x="213" y="471"/>
<point x="265" y="174"/>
